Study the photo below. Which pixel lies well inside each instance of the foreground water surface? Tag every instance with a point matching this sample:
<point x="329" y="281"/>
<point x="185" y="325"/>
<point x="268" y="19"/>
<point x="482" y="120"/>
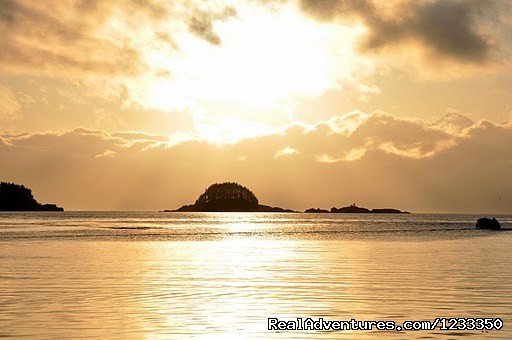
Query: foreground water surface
<point x="175" y="275"/>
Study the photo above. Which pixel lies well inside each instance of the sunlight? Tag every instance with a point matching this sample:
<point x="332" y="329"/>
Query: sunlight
<point x="287" y="151"/>
<point x="229" y="129"/>
<point x="268" y="59"/>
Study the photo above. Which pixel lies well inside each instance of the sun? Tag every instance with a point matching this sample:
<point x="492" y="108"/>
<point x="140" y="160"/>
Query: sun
<point x="266" y="61"/>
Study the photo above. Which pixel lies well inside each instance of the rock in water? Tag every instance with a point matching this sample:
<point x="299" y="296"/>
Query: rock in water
<point x="488" y="223"/>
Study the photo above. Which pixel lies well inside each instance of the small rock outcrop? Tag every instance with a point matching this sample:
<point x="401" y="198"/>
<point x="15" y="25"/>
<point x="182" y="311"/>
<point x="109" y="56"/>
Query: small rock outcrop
<point x="389" y="211"/>
<point x="16" y="197"/>
<point x="354" y="209"/>
<point x="316" y="210"/>
<point x="488" y="223"/>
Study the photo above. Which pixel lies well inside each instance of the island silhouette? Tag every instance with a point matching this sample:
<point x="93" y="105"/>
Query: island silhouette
<point x="354" y="209"/>
<point x="233" y="197"/>
<point x="228" y="197"/>
<point x="16" y="197"/>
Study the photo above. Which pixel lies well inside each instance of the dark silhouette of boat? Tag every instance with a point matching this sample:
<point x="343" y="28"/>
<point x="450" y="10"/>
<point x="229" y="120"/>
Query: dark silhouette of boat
<point x="488" y="223"/>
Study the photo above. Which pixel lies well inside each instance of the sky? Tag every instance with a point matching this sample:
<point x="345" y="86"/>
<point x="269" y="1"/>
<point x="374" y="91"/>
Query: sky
<point x="140" y="105"/>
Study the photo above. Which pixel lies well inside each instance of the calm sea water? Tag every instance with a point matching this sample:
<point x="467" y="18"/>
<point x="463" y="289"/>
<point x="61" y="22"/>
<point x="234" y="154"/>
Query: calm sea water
<point x="177" y="275"/>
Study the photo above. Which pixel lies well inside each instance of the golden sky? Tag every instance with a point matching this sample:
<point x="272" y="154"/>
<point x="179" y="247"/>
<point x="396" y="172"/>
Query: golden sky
<point x="135" y="104"/>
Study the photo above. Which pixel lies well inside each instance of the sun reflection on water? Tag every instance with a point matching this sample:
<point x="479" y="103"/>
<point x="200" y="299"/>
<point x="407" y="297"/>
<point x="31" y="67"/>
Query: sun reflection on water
<point x="227" y="287"/>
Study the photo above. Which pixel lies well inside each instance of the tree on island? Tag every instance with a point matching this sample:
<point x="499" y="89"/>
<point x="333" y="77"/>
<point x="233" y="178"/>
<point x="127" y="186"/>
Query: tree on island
<point x="16" y="197"/>
<point x="228" y="197"/>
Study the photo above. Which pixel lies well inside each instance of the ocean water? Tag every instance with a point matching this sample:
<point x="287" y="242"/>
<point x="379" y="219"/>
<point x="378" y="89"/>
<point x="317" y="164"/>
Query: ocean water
<point x="212" y="275"/>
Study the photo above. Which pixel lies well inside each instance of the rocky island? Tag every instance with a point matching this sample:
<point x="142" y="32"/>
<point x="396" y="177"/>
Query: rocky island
<point x="316" y="210"/>
<point x="16" y="197"/>
<point x="228" y="197"/>
<point x="488" y="223"/>
<point x="354" y="209"/>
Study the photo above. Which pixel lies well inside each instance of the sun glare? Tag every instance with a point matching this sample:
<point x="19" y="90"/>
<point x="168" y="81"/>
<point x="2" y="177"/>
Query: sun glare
<point x="266" y="61"/>
<point x="264" y="58"/>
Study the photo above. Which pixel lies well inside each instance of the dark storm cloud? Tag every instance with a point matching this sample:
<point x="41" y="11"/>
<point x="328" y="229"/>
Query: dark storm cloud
<point x="448" y="28"/>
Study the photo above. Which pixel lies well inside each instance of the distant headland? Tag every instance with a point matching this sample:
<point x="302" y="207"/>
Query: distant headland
<point x="16" y="197"/>
<point x="228" y="197"/>
<point x="354" y="209"/>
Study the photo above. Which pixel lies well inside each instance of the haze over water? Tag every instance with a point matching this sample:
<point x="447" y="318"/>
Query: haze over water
<point x="169" y="275"/>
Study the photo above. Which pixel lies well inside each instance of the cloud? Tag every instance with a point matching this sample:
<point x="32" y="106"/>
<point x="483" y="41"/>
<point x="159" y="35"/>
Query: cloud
<point x="183" y="56"/>
<point x="202" y="27"/>
<point x="106" y="153"/>
<point x="95" y="37"/>
<point x="381" y="160"/>
<point x="458" y="30"/>
<point x="53" y="36"/>
<point x="201" y="23"/>
<point x="9" y="105"/>
<point x="453" y="123"/>
<point x="287" y="151"/>
<point x="187" y="56"/>
<point x="141" y="136"/>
